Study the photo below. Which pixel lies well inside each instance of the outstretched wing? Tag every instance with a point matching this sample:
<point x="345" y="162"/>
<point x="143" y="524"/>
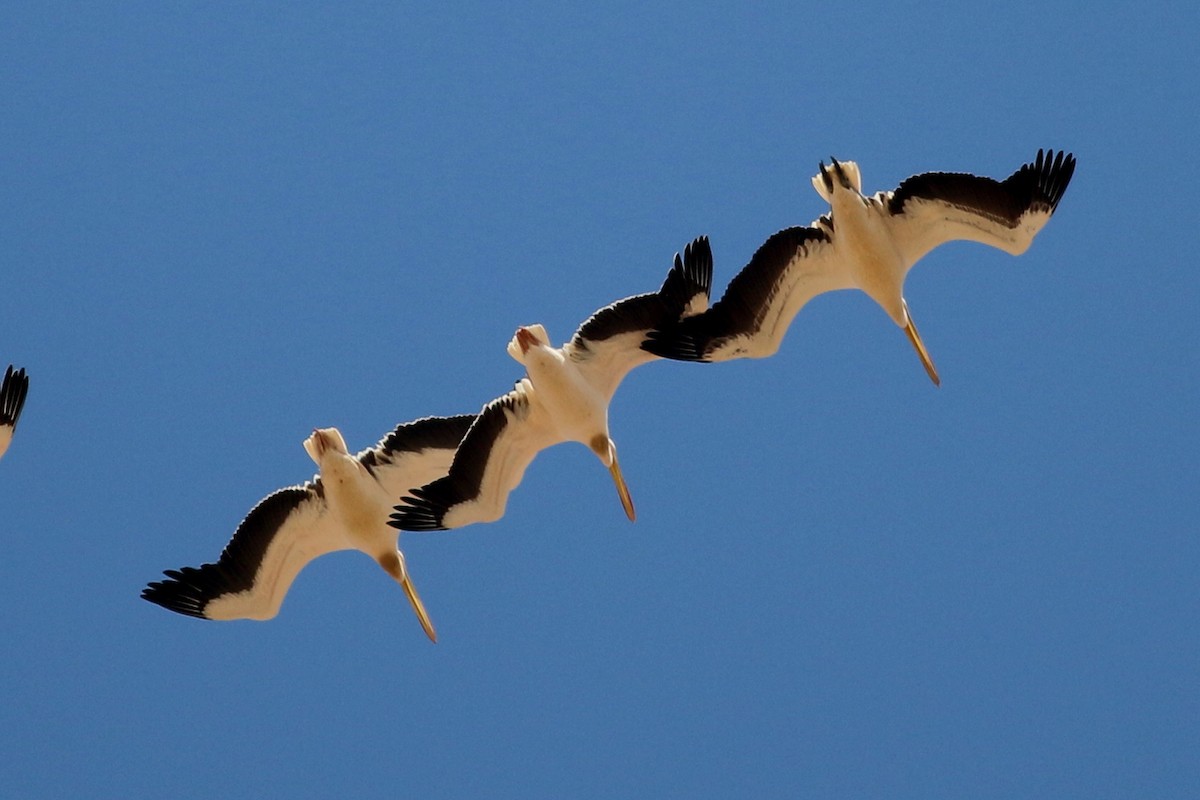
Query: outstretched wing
<point x="608" y="344"/>
<point x="491" y="461"/>
<point x="936" y="207"/>
<point x="281" y="534"/>
<point x="752" y="317"/>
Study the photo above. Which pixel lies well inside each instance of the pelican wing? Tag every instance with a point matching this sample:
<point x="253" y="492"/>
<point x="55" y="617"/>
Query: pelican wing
<point x="285" y="531"/>
<point x="491" y="461"/>
<point x="608" y="344"/>
<point x="415" y="453"/>
<point x="12" y="400"/>
<point x="935" y="207"/>
<point x="751" y="318"/>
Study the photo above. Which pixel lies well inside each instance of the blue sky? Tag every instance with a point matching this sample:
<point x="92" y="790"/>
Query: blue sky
<point x="222" y="225"/>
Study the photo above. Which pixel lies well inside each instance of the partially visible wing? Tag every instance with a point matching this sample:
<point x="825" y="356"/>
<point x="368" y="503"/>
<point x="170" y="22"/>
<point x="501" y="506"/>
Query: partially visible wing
<point x="280" y="535"/>
<point x="935" y="207"/>
<point x="12" y="400"/>
<point x="415" y="453"/>
<point x="752" y="317"/>
<point x="490" y="463"/>
<point x="608" y="344"/>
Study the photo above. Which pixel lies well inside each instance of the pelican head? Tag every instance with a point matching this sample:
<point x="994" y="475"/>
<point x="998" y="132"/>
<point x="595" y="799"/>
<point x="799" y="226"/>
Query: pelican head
<point x="606" y="450"/>
<point x="526" y="337"/>
<point x="324" y="440"/>
<point x="844" y="173"/>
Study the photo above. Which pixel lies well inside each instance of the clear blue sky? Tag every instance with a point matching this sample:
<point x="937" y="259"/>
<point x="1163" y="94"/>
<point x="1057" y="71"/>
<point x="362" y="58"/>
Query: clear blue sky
<point x="224" y="224"/>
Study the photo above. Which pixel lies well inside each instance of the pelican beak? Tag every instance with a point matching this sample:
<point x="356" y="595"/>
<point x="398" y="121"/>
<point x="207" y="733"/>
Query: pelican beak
<point x="410" y="592"/>
<point x="911" y="329"/>
<point x="606" y="451"/>
<point x="622" y="490"/>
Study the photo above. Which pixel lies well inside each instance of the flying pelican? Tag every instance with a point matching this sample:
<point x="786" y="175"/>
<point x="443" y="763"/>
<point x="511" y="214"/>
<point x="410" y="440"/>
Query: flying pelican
<point x="343" y="508"/>
<point x="12" y="400"/>
<point x="867" y="243"/>
<point x="563" y="398"/>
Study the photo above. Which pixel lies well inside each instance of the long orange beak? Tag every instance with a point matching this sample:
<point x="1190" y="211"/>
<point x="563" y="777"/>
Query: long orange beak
<point x="414" y="600"/>
<point x="622" y="490"/>
<point x="910" y="328"/>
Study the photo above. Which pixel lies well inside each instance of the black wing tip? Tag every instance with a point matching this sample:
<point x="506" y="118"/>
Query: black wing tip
<point x="690" y="275"/>
<point x="423" y="510"/>
<point x="12" y="395"/>
<point x="177" y="594"/>
<point x="1052" y="172"/>
<point x="675" y="344"/>
<point x="416" y="516"/>
<point x="698" y="264"/>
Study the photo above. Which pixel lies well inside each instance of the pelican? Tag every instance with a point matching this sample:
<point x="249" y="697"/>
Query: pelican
<point x="867" y="243"/>
<point x="12" y="400"/>
<point x="564" y="397"/>
<point x="343" y="508"/>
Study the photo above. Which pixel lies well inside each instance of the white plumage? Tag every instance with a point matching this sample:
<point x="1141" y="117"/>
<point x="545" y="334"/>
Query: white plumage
<point x="867" y="243"/>
<point x="343" y="508"/>
<point x="565" y="397"/>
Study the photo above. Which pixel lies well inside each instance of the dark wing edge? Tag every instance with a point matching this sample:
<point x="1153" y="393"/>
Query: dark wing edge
<point x="1038" y="185"/>
<point x="437" y="433"/>
<point x="1048" y="176"/>
<point x="190" y="589"/>
<point x="689" y="277"/>
<point x="426" y="507"/>
<point x="12" y="395"/>
<point x="741" y="309"/>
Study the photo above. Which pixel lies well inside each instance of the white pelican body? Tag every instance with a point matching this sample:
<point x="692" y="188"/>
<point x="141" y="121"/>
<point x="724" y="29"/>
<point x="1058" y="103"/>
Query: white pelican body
<point x="867" y="243"/>
<point x="564" y="398"/>
<point x="12" y="400"/>
<point x="344" y="508"/>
